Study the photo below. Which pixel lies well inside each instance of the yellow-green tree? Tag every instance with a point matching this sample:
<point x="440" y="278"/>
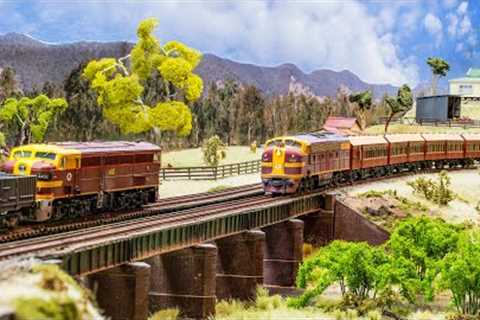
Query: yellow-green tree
<point x="31" y="117"/>
<point x="119" y="84"/>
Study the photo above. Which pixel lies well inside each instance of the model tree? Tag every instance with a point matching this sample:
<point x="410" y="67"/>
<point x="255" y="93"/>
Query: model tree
<point x="213" y="150"/>
<point x="364" y="104"/>
<point x="439" y="69"/>
<point x="31" y="117"/>
<point x="399" y="104"/>
<point x="120" y="83"/>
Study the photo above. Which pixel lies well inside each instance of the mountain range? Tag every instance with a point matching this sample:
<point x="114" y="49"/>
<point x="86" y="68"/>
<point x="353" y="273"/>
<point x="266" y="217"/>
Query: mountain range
<point x="36" y="62"/>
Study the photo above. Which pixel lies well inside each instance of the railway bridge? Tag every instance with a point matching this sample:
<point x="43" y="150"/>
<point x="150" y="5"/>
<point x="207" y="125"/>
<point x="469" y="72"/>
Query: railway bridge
<point x="190" y="258"/>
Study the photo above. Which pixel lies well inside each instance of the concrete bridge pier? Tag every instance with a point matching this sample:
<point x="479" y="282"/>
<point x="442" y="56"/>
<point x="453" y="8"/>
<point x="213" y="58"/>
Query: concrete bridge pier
<point x="122" y="292"/>
<point x="184" y="279"/>
<point x="283" y="253"/>
<point x="240" y="265"/>
<point x="320" y="226"/>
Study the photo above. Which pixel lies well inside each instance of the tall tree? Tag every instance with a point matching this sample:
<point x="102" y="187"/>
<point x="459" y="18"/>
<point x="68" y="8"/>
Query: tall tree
<point x="439" y="68"/>
<point x="32" y="116"/>
<point x="364" y="104"/>
<point x="9" y="86"/>
<point x="252" y="104"/>
<point x="120" y="85"/>
<point x="399" y="104"/>
<point x="83" y="119"/>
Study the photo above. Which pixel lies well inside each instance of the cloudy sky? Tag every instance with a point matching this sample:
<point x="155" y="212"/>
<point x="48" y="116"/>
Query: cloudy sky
<point x="381" y="41"/>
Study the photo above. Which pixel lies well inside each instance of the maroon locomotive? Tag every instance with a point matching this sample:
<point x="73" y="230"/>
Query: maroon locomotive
<point x="78" y="178"/>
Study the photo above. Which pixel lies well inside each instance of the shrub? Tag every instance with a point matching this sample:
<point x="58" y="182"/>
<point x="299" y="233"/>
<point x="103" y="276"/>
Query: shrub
<point x="166" y="314"/>
<point x="213" y="151"/>
<point x="439" y="192"/>
<point x="253" y="147"/>
<point x="225" y="308"/>
<point x="460" y="273"/>
<point x="265" y="302"/>
<point x="422" y="243"/>
<point x="355" y="266"/>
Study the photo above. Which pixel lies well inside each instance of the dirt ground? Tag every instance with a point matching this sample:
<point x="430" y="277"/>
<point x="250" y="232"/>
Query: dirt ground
<point x="465" y="183"/>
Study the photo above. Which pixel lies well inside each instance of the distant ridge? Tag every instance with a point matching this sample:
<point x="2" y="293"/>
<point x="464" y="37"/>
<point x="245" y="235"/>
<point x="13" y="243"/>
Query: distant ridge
<point x="37" y="62"/>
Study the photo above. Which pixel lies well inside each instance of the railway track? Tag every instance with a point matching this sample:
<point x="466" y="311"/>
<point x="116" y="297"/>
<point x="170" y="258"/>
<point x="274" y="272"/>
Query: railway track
<point x="125" y="228"/>
<point x="163" y="206"/>
<point x="149" y="219"/>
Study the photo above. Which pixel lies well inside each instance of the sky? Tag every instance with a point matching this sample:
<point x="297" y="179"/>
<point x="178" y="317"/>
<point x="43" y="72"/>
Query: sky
<point x="381" y="41"/>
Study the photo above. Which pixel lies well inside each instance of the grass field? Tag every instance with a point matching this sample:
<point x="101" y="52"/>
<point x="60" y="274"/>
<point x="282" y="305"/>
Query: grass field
<point x="405" y="128"/>
<point x="194" y="157"/>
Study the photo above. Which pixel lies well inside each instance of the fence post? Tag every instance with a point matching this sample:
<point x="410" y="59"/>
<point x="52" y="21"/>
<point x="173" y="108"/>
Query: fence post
<point x="189" y="174"/>
<point x="163" y="173"/>
<point x="238" y="168"/>
<point x="215" y="172"/>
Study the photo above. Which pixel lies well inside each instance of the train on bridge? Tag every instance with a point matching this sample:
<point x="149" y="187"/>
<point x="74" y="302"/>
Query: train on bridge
<point x="44" y="182"/>
<point x="308" y="161"/>
<point x="53" y="181"/>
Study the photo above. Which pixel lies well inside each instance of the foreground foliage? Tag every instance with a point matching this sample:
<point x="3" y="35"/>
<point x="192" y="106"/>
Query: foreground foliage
<point x="423" y="257"/>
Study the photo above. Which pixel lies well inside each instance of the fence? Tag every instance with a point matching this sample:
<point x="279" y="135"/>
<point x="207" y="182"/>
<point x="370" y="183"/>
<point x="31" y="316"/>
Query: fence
<point x="210" y="173"/>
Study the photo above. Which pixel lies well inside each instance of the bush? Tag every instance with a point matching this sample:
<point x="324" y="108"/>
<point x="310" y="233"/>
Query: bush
<point x="265" y="302"/>
<point x="213" y="151"/>
<point x="253" y="147"/>
<point x="439" y="192"/>
<point x="357" y="267"/>
<point x="422" y="243"/>
<point x="460" y="273"/>
<point x="166" y="314"/>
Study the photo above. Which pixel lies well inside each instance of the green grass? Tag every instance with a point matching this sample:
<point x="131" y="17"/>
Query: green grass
<point x="405" y="128"/>
<point x="194" y="157"/>
<point x="470" y="110"/>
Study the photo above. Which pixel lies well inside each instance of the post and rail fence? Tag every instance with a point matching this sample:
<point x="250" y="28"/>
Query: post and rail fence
<point x="210" y="172"/>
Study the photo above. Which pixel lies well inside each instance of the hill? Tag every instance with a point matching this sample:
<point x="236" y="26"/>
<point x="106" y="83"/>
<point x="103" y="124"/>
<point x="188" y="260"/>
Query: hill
<point x="36" y="62"/>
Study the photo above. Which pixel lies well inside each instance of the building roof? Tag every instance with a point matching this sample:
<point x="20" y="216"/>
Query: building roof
<point x="361" y="140"/>
<point x="465" y="79"/>
<point x="473" y="73"/>
<point x="340" y="122"/>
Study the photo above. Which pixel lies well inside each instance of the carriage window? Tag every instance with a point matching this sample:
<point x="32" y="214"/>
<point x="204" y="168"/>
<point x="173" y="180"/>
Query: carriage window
<point x="144" y="158"/>
<point x="91" y="162"/>
<point x="22" y="154"/>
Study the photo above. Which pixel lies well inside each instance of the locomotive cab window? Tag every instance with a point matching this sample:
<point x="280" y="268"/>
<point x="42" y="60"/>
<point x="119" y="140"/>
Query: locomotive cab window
<point x="22" y="154"/>
<point x="293" y="143"/>
<point x="45" y="155"/>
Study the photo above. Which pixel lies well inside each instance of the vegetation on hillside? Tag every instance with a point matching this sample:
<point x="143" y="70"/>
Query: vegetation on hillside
<point x="438" y="192"/>
<point x="422" y="258"/>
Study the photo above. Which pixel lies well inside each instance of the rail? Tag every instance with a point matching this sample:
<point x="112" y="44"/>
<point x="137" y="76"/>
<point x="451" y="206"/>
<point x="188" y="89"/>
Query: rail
<point x="210" y="172"/>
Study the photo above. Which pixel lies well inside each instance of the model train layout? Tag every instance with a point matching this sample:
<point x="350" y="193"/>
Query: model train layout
<point x="43" y="182"/>
<point x="54" y="181"/>
<point x="292" y="164"/>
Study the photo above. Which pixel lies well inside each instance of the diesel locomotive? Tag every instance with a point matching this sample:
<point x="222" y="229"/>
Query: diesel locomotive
<point x="293" y="164"/>
<point x="80" y="178"/>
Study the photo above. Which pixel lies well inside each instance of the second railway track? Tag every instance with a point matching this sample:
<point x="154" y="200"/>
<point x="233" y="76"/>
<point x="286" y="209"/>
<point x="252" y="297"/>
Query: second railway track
<point x="163" y="206"/>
